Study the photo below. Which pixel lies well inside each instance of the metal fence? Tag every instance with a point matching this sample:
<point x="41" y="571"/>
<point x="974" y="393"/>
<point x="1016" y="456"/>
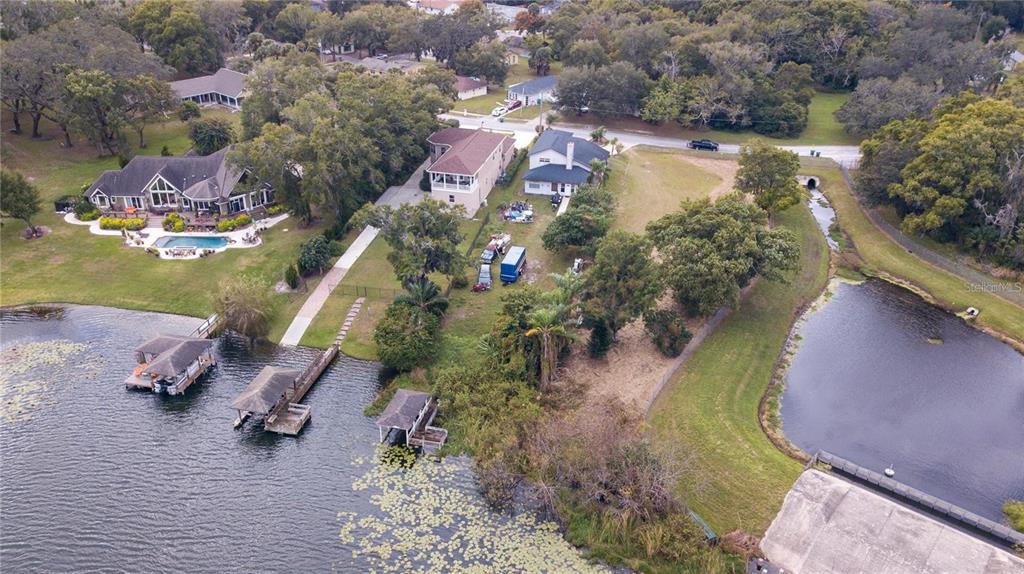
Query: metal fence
<point x="364" y="291"/>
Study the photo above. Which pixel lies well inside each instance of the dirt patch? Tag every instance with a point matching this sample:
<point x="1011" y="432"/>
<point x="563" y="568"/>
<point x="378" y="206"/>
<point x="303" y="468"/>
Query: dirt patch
<point x="40" y="232"/>
<point x="723" y="168"/>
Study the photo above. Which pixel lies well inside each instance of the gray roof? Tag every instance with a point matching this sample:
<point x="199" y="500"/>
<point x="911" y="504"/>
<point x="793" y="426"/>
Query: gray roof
<point x="159" y="344"/>
<point x="558" y="174"/>
<point x="535" y="86"/>
<point x="401" y="412"/>
<point x="265" y="390"/>
<point x="197" y="177"/>
<point x="557" y="140"/>
<point x="227" y="82"/>
<point x="177" y="358"/>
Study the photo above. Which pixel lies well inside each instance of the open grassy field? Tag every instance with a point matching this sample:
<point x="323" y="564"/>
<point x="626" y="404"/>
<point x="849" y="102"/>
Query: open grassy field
<point x="881" y="254"/>
<point x="73" y="266"/>
<point x="650" y="182"/>
<point x="822" y="127"/>
<point x="710" y="409"/>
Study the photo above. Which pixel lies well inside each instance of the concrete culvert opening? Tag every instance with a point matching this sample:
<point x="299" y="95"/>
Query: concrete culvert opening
<point x="812" y="183"/>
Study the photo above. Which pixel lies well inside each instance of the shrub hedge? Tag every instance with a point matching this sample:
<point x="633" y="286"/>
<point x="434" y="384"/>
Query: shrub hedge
<point x="129" y="223"/>
<point x="234" y="223"/>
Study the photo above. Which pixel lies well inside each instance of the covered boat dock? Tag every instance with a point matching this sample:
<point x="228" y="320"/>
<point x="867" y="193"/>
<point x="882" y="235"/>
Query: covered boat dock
<point x="407" y="420"/>
<point x="170" y="364"/>
<point x="270" y="387"/>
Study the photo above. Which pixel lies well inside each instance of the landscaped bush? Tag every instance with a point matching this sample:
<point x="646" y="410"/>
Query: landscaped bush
<point x="129" y="223"/>
<point x="336" y="248"/>
<point x="600" y="340"/>
<point x="315" y="255"/>
<point x="667" y="330"/>
<point x="174" y="222"/>
<point x="291" y="277"/>
<point x="86" y="211"/>
<point x="225" y="225"/>
<point x="425" y="181"/>
<point x="407" y="337"/>
<point x="275" y="209"/>
<point x="513" y="166"/>
<point x="459" y="281"/>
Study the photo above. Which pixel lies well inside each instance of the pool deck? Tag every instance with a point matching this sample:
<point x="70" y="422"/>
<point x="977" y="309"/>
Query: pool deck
<point x="146" y="237"/>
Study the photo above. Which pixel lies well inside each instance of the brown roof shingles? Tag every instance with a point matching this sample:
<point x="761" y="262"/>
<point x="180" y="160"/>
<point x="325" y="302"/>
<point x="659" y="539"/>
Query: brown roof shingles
<point x="468" y="149"/>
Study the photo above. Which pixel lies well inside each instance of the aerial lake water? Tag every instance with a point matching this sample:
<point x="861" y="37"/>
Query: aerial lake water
<point x="97" y="478"/>
<point x="881" y="377"/>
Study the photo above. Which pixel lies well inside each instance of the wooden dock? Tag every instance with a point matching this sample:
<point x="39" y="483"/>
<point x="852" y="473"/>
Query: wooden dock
<point x="208" y="328"/>
<point x="289" y="416"/>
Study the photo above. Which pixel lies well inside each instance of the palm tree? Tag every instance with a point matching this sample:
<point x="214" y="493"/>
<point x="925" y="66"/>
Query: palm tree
<point x="598" y="134"/>
<point x="244" y="304"/>
<point x="567" y="286"/>
<point x="425" y="295"/>
<point x="598" y="169"/>
<point x="548" y="325"/>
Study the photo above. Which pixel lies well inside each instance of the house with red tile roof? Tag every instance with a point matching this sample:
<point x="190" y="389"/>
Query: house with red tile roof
<point x="465" y="165"/>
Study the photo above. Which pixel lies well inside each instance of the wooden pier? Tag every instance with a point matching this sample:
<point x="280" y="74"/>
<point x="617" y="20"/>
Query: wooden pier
<point x="289" y="415"/>
<point x="208" y="327"/>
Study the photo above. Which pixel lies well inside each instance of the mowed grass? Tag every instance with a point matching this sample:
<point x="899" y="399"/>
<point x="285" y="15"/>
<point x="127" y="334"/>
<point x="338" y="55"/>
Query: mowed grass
<point x="822" y="126"/>
<point x="710" y="409"/>
<point x="649" y="183"/>
<point x="881" y="254"/>
<point x="71" y="265"/>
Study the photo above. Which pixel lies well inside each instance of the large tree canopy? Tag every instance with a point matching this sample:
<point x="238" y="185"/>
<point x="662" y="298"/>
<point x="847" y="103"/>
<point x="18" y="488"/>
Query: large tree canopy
<point x="176" y="31"/>
<point x="424" y="238"/>
<point x="769" y="174"/>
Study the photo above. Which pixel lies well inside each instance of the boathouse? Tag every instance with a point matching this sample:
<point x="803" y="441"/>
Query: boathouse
<point x="407" y="419"/>
<point x="170" y="364"/>
<point x="270" y="387"/>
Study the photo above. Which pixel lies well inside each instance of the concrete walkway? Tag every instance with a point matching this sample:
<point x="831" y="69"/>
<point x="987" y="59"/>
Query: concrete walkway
<point x="409" y="192"/>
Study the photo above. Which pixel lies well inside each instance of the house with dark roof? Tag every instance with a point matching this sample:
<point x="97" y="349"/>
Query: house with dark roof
<point x="158" y="184"/>
<point x="467" y="88"/>
<point x="535" y="91"/>
<point x="560" y="163"/>
<point x="465" y="165"/>
<point x="226" y="87"/>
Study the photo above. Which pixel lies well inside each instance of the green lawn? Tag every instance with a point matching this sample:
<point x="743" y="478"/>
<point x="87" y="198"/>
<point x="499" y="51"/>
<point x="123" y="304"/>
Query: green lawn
<point x="881" y="254"/>
<point x="822" y="127"/>
<point x="651" y="182"/>
<point x="73" y="266"/>
<point x="710" y="409"/>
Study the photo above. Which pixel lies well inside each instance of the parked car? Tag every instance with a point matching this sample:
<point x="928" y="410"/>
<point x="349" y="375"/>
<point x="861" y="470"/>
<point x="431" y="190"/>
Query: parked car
<point x="496" y="246"/>
<point x="556" y="200"/>
<point x="513" y="105"/>
<point x="483" y="281"/>
<point x="704" y="144"/>
<point x="513" y="264"/>
<point x="499" y="111"/>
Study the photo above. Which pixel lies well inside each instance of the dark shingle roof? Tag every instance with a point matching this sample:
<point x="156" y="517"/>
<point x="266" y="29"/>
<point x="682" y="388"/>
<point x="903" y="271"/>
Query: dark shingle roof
<point x="224" y="81"/>
<point x="401" y="412"/>
<point x="464" y="84"/>
<point x="583" y="150"/>
<point x="265" y="390"/>
<point x="558" y="174"/>
<point x="176" y="359"/>
<point x="198" y="177"/>
<point x="468" y="150"/>
<point x="535" y="86"/>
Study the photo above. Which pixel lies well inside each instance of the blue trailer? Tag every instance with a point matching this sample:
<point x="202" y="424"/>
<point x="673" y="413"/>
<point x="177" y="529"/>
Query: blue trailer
<point x="513" y="264"/>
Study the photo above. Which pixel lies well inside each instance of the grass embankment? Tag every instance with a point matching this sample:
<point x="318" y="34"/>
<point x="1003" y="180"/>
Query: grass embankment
<point x="822" y="126"/>
<point x="710" y="409"/>
<point x="649" y="183"/>
<point x="71" y="265"/>
<point x="1014" y="511"/>
<point x="881" y="255"/>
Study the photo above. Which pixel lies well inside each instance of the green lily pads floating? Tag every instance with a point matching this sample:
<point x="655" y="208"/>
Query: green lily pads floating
<point x="28" y="374"/>
<point x="425" y="523"/>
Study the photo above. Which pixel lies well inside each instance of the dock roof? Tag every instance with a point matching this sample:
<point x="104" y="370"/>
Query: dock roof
<point x="403" y="409"/>
<point x="265" y="390"/>
<point x="177" y="358"/>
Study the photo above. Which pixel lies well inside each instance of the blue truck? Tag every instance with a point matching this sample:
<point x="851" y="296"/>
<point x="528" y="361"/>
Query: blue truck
<point x="513" y="264"/>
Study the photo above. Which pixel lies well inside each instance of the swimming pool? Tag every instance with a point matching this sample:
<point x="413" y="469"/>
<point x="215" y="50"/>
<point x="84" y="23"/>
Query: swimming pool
<point x="195" y="241"/>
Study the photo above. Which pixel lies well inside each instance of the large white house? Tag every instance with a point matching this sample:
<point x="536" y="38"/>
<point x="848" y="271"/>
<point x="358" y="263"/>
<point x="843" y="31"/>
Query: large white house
<point x="560" y="163"/>
<point x="226" y="87"/>
<point x="466" y="164"/>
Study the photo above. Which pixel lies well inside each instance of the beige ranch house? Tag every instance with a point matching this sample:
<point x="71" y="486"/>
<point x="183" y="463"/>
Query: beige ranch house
<point x="466" y="164"/>
<point x="198" y="184"/>
<point x="226" y="87"/>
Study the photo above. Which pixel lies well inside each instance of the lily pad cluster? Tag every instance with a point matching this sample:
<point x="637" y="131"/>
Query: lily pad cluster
<point x="430" y="521"/>
<point x="28" y="374"/>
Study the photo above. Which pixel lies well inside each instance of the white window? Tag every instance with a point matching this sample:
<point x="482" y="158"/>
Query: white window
<point x="236" y="204"/>
<point x="100" y="200"/>
<point x="256" y="199"/>
<point x="135" y="202"/>
<point x="544" y="160"/>
<point x="534" y="185"/>
<point x="451" y="199"/>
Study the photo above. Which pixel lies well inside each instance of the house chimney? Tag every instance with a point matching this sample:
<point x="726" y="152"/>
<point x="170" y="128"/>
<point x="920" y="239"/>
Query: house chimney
<point x="568" y="154"/>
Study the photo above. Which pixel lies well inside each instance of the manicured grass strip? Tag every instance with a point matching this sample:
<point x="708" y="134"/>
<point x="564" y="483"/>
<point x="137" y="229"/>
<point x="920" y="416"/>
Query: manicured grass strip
<point x="710" y="410"/>
<point x="822" y="126"/>
<point x="648" y="183"/>
<point x="882" y="254"/>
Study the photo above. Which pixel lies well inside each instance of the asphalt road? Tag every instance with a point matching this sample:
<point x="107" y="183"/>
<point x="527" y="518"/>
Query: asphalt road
<point x="845" y="155"/>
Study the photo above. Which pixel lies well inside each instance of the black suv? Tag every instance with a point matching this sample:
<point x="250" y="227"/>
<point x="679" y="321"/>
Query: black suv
<point x="702" y="144"/>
